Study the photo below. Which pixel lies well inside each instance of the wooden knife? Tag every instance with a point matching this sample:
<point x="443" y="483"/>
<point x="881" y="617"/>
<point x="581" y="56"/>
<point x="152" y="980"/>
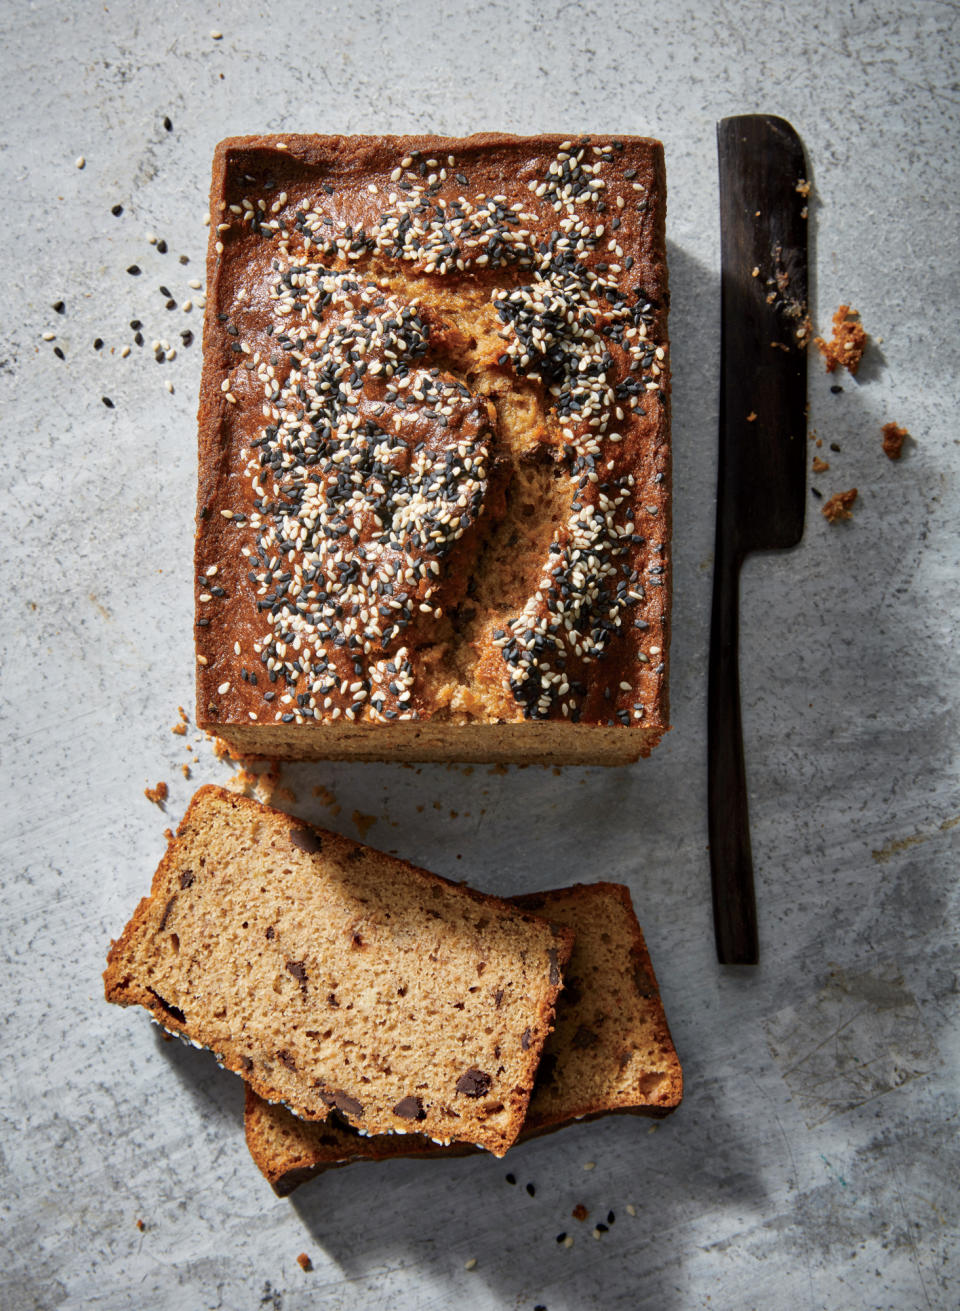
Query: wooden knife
<point x="761" y="482"/>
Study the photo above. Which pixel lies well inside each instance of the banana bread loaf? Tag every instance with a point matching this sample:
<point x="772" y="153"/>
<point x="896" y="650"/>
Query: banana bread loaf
<point x="330" y="975"/>
<point x="611" y="1049"/>
<point x="434" y="516"/>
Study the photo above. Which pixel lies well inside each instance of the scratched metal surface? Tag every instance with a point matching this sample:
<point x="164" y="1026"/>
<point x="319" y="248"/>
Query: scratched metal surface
<point x="814" y="1161"/>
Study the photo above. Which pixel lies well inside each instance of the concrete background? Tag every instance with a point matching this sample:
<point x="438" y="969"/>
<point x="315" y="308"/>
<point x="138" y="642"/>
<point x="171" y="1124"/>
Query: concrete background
<point x="814" y="1162"/>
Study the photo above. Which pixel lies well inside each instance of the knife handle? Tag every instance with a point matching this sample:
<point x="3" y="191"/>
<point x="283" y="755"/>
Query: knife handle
<point x="731" y="861"/>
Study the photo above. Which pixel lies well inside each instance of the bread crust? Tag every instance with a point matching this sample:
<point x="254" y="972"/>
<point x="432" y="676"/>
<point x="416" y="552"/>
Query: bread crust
<point x="623" y="709"/>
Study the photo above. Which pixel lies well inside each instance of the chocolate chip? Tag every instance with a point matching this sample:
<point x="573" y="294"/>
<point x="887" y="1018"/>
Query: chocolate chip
<point x="298" y="970"/>
<point x="525" y="1040"/>
<point x="187" y="878"/>
<point x="584" y="1038"/>
<point x="166" y="913"/>
<point x="286" y="1059"/>
<point x="174" y="1011"/>
<point x="269" y="931"/>
<point x="343" y="1102"/>
<point x="411" y="1108"/>
<point x="554" y="967"/>
<point x="474" y="1083"/>
<point x="498" y="998"/>
<point x="304" y="839"/>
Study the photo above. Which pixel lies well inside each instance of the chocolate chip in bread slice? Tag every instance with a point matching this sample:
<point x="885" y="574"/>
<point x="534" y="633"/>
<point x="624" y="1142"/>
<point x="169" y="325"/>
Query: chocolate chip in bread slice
<point x="330" y="975"/>
<point x="610" y="1050"/>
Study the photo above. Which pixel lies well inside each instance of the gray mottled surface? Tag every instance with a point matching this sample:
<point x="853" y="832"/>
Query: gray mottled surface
<point x="814" y="1163"/>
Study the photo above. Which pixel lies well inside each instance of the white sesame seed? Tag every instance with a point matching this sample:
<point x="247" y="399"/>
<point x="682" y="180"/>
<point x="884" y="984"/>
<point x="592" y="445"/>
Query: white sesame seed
<point x="49" y="336"/>
<point x="169" y="386"/>
<point x="216" y="36"/>
<point x="223" y="689"/>
<point x="471" y="1264"/>
<point x="80" y="162"/>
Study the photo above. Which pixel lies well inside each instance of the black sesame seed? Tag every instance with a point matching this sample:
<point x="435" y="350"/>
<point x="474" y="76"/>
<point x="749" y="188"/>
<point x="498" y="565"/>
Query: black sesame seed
<point x="167" y="124"/>
<point x="134" y="270"/>
<point x="836" y="389"/>
<point x="602" y="1228"/>
<point x="116" y="211"/>
<point x="98" y="343"/>
<point x="165" y="291"/>
<point x="59" y="353"/>
<point x="561" y="1237"/>
<point x="59" y="307"/>
<point x="184" y="259"/>
<point x="610" y="1217"/>
<point x="817" y="494"/>
<point x="531" y="1190"/>
<point x="107" y="402"/>
<point x="511" y="1178"/>
<point x="162" y="247"/>
<point x="136" y="325"/>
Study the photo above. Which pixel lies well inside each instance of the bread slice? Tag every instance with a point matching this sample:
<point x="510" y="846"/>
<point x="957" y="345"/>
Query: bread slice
<point x="610" y="1050"/>
<point x="331" y="975"/>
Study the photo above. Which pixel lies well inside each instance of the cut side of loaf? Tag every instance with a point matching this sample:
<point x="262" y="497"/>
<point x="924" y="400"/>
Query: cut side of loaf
<point x="610" y="1050"/>
<point x="330" y="975"/>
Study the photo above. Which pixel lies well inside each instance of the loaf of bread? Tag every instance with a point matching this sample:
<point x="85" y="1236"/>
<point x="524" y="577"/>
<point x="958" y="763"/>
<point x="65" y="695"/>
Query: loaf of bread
<point x="611" y="1049"/>
<point x="434" y="513"/>
<point x="330" y="975"/>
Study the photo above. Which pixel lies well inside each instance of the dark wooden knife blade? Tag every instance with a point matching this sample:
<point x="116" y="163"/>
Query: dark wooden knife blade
<point x="761" y="480"/>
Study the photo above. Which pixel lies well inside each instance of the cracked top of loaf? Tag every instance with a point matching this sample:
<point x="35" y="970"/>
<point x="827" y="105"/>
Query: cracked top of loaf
<point x="434" y="436"/>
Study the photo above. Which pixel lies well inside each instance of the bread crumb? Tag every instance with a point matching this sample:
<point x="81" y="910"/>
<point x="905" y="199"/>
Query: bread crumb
<point x="751" y="417"/>
<point x="141" y="1226"/>
<point x="580" y="1212"/>
<point x="893" y="439"/>
<point x="631" y="1209"/>
<point x="803" y="188"/>
<point x="820" y="466"/>
<point x="168" y="834"/>
<point x="180" y="729"/>
<point x="589" y="1165"/>
<point x="157" y="795"/>
<point x="185" y="770"/>
<point x="363" y="823"/>
<point x="839" y="506"/>
<point x="848" y="342"/>
<point x="304" y="1262"/>
<point x="471" y="1264"/>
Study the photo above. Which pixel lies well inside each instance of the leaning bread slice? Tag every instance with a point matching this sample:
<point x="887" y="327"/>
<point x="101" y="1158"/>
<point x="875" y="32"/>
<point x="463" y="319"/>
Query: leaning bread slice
<point x="330" y="975"/>
<point x="610" y="1050"/>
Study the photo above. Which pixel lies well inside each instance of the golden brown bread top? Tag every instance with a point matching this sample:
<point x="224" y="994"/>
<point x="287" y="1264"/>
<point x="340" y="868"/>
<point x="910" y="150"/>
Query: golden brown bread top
<point x="376" y="307"/>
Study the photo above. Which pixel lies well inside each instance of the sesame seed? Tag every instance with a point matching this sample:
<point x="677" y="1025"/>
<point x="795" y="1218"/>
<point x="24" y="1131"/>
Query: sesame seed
<point x="471" y="1264"/>
<point x="80" y="162"/>
<point x="169" y="386"/>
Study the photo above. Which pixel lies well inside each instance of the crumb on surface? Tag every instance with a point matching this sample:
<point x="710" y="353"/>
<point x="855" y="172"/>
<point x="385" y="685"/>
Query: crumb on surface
<point x="803" y="188"/>
<point x="363" y="822"/>
<point x="820" y="466"/>
<point x="180" y="729"/>
<point x="168" y="834"/>
<point x="185" y="770"/>
<point x="751" y="417"/>
<point x="141" y="1226"/>
<point x="471" y="1264"/>
<point x="304" y="1262"/>
<point x="839" y="506"/>
<point x="893" y="438"/>
<point x="157" y="795"/>
<point x="580" y="1212"/>
<point x="848" y="342"/>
